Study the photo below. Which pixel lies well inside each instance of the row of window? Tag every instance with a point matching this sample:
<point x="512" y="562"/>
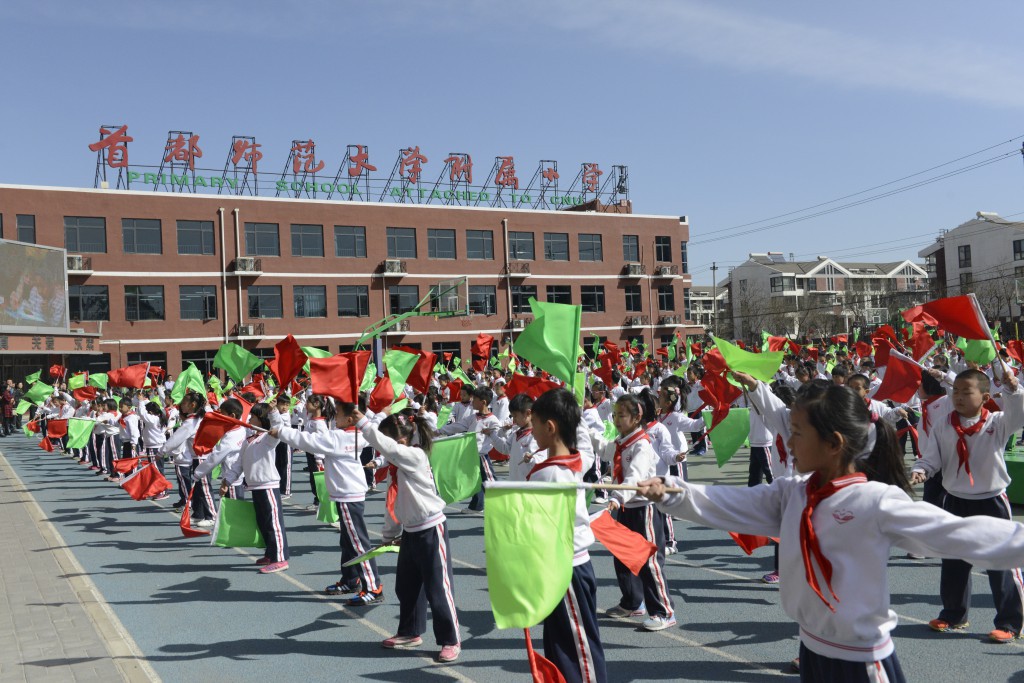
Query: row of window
<point x="84" y="234"/>
<point x="199" y="302"/>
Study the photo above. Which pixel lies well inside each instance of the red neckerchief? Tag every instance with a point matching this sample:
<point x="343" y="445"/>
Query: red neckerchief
<point x="665" y="415"/>
<point x="809" y="547"/>
<point x="573" y="462"/>
<point x="392" y="493"/>
<point x="621" y="444"/>
<point x="925" y="419"/>
<point x="523" y="432"/>
<point x="780" y="446"/>
<point x="963" y="453"/>
<point x="121" y="419"/>
<point x="867" y="404"/>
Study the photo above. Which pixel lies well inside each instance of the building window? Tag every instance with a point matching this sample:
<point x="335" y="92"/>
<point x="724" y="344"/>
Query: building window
<point x="634" y="299"/>
<point x="966" y="280"/>
<point x="631" y="248"/>
<point x="402" y="298"/>
<point x="26" y="228"/>
<point x="1018" y="249"/>
<point x="590" y="247"/>
<point x="811" y="285"/>
<point x="521" y="295"/>
<point x="479" y="244"/>
<point x="441" y="244"/>
<point x="686" y="304"/>
<point x="265" y="301"/>
<point x="684" y="258"/>
<point x="203" y="361"/>
<point x="310" y="301"/>
<point x="592" y="298"/>
<point x="307" y="240"/>
<point x="154" y="358"/>
<point x="964" y="253"/>
<point x="663" y="249"/>
<point x="666" y="298"/>
<point x="85" y="235"/>
<point x="556" y="246"/>
<point x="141" y="236"/>
<point x="88" y="302"/>
<point x="483" y="300"/>
<point x="1018" y="271"/>
<point x="401" y="242"/>
<point x="261" y="239"/>
<point x="196" y="238"/>
<point x="441" y="348"/>
<point x="198" y="302"/>
<point x="559" y="294"/>
<point x="349" y="241"/>
<point x="353" y="301"/>
<point x="144" y="302"/>
<point x="783" y="283"/>
<point x="520" y="246"/>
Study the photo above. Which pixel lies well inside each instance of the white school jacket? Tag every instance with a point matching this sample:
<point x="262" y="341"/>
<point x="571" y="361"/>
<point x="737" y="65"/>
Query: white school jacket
<point x="517" y="443"/>
<point x="344" y="475"/>
<point x="256" y="461"/>
<point x="179" y="444"/>
<point x="639" y="462"/>
<point x="226" y="453"/>
<point x="417" y="506"/>
<point x="130" y="431"/>
<point x="986" y="447"/>
<point x="463" y="420"/>
<point x="775" y="415"/>
<point x="582" y="535"/>
<point x="153" y="435"/>
<point x="855" y="528"/>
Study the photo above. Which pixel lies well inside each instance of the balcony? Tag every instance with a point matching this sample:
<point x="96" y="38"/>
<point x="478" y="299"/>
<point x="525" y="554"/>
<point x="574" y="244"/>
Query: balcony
<point x="79" y="265"/>
<point x="634" y="270"/>
<point x="516" y="269"/>
<point x="246" y="330"/>
<point x="666" y="271"/>
<point x="666" y="320"/>
<point x="246" y="266"/>
<point x="636" y="321"/>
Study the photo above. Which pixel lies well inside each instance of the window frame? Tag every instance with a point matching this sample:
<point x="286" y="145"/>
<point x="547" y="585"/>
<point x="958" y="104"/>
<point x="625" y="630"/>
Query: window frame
<point x="559" y="291"/>
<point x="362" y="300"/>
<point x="310" y="238"/>
<point x="396" y="238"/>
<point x="184" y="226"/>
<point x="78" y="228"/>
<point x="72" y="296"/>
<point x="485" y="246"/>
<point x="633" y="292"/>
<point x="592" y="253"/>
<point x="662" y="249"/>
<point x="358" y="238"/>
<point x="515" y="238"/>
<point x="256" y="233"/>
<point x="301" y="293"/>
<point x="666" y="294"/>
<point x="490" y="299"/>
<point x="521" y="299"/>
<point x="631" y="252"/>
<point x="440" y="242"/>
<point x="395" y="297"/>
<point x="19" y="228"/>
<point x="138" y="295"/>
<point x="264" y="291"/>
<point x="549" y="244"/>
<point x="598" y="303"/>
<point x="131" y="226"/>
<point x="208" y="305"/>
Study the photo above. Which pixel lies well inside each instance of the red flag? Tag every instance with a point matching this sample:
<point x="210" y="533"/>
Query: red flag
<point x="605" y="371"/>
<point x="638" y="369"/>
<point x="32" y="426"/>
<point x="612" y="349"/>
<point x="57" y="370"/>
<point x="383" y="394"/>
<point x="56" y="428"/>
<point x="714" y="363"/>
<point x="255" y="388"/>
<point x="794" y="348"/>
<point x="246" y="407"/>
<point x="813" y="353"/>
<point x="777" y="343"/>
<point x="287" y="361"/>
<point x="921" y="343"/>
<point x="887" y="332"/>
<point x="541" y="669"/>
<point x="661" y="352"/>
<point x="211" y="430"/>
<point x="146" y="483"/>
<point x="481" y="350"/>
<point x="1015" y="348"/>
<point x="85" y="394"/>
<point x="863" y="349"/>
<point x="628" y="547"/>
<point x="902" y="379"/>
<point x="339" y="376"/>
<point x="718" y="394"/>
<point x="133" y="376"/>
<point x="124" y="465"/>
<point x="156" y="372"/>
<point x="696" y="349"/>
<point x="882" y="348"/>
<point x="186" y="519"/>
<point x="531" y="386"/>
<point x="447" y="355"/>
<point x="46" y="444"/>
<point x="419" y="378"/>
<point x="960" y="315"/>
<point x="749" y="543"/>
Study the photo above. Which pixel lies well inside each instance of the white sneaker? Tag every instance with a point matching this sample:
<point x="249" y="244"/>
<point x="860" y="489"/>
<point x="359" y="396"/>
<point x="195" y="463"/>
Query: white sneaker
<point x="658" y="623"/>
<point x="619" y="612"/>
<point x="204" y="523"/>
<point x="670" y="550"/>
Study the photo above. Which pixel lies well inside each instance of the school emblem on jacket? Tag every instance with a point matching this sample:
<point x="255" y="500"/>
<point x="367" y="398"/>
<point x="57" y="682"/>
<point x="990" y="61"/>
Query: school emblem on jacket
<point x="842" y="516"/>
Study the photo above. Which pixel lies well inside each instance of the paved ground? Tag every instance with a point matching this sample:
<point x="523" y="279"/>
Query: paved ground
<point x="176" y="609"/>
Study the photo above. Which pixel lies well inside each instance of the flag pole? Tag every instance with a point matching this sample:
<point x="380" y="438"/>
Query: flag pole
<point x="579" y="486"/>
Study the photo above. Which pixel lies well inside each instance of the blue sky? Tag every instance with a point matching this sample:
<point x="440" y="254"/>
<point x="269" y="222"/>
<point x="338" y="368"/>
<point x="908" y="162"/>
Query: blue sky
<point x="727" y="112"/>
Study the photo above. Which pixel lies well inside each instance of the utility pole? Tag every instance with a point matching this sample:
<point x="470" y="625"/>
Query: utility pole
<point x="714" y="299"/>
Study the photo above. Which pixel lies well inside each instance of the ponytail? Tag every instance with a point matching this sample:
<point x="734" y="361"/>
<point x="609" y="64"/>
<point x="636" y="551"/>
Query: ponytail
<point x="885" y="461"/>
<point x="410" y="426"/>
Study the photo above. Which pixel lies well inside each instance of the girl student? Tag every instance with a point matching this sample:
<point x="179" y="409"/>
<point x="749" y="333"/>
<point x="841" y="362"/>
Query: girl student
<point x="634" y="460"/>
<point x="154" y="435"/>
<point x="346" y="486"/>
<point x="517" y="442"/>
<point x="179" y="445"/>
<point x="837" y="521"/>
<point x="257" y="463"/>
<point x="424" y="573"/>
<point x="226" y="452"/>
<point x="674" y="424"/>
<point x="106" y="429"/>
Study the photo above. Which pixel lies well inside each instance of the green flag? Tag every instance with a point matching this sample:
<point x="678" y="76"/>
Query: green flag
<point x="38" y="392"/>
<point x="856" y="334"/>
<point x="961" y="344"/>
<point x="764" y="341"/>
<point x="551" y="340"/>
<point x="443" y="415"/>
<point x="215" y="386"/>
<point x="237" y="361"/>
<point x="98" y="379"/>
<point x="760" y="366"/>
<point x="327" y="511"/>
<point x="528" y="538"/>
<point x="399" y="405"/>
<point x="399" y="365"/>
<point x="34" y="377"/>
<point x="671" y="352"/>
<point x="456" y="466"/>
<point x="595" y="348"/>
<point x="689" y="352"/>
<point x="995" y="332"/>
<point x="980" y="351"/>
<point x="77" y="381"/>
<point x="79" y="431"/>
<point x="579" y="387"/>
<point x="190" y="378"/>
<point x="458" y="374"/>
<point x="730" y="433"/>
<point x="368" y="377"/>
<point x="23" y="407"/>
<point x="313" y="352"/>
<point x="610" y="432"/>
<point x="236" y="525"/>
<point x="369" y="555"/>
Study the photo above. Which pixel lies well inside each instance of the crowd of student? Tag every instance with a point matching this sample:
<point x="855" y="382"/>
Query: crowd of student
<point x="833" y="459"/>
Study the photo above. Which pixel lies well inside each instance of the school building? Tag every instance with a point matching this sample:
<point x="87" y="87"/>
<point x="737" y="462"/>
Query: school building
<point x="169" y="277"/>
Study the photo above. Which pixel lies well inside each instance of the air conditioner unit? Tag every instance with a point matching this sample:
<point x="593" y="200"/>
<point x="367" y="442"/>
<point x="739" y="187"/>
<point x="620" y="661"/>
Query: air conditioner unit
<point x="518" y="324"/>
<point x="394" y="266"/>
<point x="670" y="320"/>
<point x="634" y="269"/>
<point x="665" y="270"/>
<point x="402" y="326"/>
<point x="245" y="264"/>
<point x="244" y="331"/>
<point x="75" y="262"/>
<point x="636" y="321"/>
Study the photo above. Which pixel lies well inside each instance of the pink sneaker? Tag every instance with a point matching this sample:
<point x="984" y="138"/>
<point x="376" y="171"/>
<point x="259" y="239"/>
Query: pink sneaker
<point x="449" y="653"/>
<point x="274" y="567"/>
<point x="402" y="642"/>
<point x="263" y="562"/>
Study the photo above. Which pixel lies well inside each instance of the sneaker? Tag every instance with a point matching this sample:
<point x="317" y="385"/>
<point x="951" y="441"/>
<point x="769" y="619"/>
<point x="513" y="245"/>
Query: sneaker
<point x="671" y="550"/>
<point x="161" y="496"/>
<point x="1003" y="635"/>
<point x="366" y="598"/>
<point x="620" y="612"/>
<point x="93" y="468"/>
<point x="263" y="561"/>
<point x="402" y="642"/>
<point x="449" y="653"/>
<point x="179" y="505"/>
<point x="914" y="556"/>
<point x="658" y="623"/>
<point x="204" y="523"/>
<point x="340" y="589"/>
<point x="794" y="664"/>
<point x="770" y="577"/>
<point x="286" y="496"/>
<point x="274" y="567"/>
<point x="941" y="625"/>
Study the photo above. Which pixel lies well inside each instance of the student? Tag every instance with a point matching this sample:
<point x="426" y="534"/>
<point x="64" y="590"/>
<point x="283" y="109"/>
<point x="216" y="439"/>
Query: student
<point x="832" y="516"/>
<point x="256" y="462"/>
<point x="106" y="429"/>
<point x="179" y="445"/>
<point x="487" y="426"/>
<point x="463" y="414"/>
<point x="424" y="573"/>
<point x="226" y="452"/>
<point x="967" y="447"/>
<point x="283" y="457"/>
<point x="319" y="415"/>
<point x="346" y="486"/>
<point x="518" y="442"/>
<point x="154" y="425"/>
<point x="694" y="374"/>
<point x="634" y="460"/>
<point x="572" y="638"/>
<point x="602" y="405"/>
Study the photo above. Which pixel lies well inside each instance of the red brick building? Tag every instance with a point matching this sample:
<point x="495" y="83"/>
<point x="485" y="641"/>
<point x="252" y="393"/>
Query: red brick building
<point x="169" y="277"/>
